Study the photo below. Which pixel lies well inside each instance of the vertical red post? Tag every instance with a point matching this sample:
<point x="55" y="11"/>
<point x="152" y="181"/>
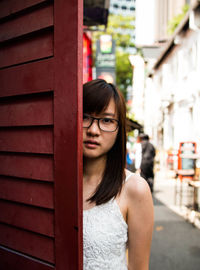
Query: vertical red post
<point x="68" y="21"/>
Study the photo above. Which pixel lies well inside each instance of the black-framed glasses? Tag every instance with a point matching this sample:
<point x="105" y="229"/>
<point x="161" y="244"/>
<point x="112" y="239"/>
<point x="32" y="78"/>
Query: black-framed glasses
<point x="105" y="124"/>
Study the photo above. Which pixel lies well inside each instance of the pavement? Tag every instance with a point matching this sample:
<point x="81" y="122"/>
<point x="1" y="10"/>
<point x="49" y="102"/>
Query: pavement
<point x="176" y="236"/>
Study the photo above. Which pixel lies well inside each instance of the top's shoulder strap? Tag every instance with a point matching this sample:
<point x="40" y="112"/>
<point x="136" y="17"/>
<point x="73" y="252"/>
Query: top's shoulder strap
<point x="128" y="176"/>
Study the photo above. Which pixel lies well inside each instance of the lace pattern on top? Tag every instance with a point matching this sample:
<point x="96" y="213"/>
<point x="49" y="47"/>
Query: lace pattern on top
<point x="104" y="238"/>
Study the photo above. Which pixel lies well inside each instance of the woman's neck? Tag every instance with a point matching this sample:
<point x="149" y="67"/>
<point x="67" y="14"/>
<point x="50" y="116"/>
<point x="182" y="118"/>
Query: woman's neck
<point x="93" y="169"/>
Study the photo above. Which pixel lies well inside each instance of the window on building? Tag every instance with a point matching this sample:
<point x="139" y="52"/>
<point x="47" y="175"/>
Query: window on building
<point x="124" y="7"/>
<point x="132" y="8"/>
<point x="115" y="6"/>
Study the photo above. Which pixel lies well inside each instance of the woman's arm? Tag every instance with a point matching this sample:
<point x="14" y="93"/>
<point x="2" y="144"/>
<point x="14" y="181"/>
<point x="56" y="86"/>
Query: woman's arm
<point x="140" y="223"/>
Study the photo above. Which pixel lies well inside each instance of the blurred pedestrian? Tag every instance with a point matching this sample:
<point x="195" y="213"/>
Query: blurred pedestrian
<point x="118" y="208"/>
<point x="147" y="160"/>
<point x="129" y="161"/>
<point x="137" y="149"/>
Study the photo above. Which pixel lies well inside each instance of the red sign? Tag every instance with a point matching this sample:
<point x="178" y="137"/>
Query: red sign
<point x="87" y="58"/>
<point x="186" y="159"/>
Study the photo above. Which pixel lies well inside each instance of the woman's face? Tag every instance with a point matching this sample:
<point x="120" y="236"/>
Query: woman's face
<point x="96" y="143"/>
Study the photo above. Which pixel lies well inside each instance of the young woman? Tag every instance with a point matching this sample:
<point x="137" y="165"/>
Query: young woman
<point x="118" y="209"/>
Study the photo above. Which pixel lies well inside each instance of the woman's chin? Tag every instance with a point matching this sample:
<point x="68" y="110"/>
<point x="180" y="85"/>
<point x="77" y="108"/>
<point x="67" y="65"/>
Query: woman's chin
<point x="92" y="155"/>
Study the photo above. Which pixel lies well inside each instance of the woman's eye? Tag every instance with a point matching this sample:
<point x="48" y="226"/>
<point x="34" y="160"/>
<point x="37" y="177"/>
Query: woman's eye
<point x="107" y="120"/>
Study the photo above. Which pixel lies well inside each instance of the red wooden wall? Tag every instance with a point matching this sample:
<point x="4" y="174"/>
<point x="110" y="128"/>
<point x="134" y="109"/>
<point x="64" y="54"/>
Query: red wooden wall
<point x="40" y="134"/>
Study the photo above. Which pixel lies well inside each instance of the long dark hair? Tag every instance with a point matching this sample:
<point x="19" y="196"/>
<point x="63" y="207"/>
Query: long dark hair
<point x="96" y="97"/>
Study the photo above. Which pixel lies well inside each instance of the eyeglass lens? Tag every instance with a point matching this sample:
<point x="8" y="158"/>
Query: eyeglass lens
<point x="105" y="124"/>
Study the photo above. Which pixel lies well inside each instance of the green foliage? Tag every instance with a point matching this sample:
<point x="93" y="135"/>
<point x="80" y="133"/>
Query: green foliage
<point x="172" y="24"/>
<point x="117" y="25"/>
<point x="123" y="71"/>
<point x="130" y="115"/>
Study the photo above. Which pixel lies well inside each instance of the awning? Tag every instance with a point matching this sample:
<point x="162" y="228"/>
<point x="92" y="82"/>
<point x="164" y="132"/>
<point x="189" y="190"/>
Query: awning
<point x="132" y="125"/>
<point x="95" y="12"/>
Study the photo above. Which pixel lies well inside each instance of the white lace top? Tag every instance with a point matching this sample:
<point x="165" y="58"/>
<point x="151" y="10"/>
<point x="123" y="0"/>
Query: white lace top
<point x="104" y="238"/>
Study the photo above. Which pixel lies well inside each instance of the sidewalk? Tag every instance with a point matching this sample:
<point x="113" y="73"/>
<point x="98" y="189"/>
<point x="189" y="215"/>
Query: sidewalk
<point x="176" y="242"/>
<point x="165" y="187"/>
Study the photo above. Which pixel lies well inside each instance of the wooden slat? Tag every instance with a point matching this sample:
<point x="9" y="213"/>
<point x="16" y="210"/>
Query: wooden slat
<point x="29" y="243"/>
<point x="27" y="166"/>
<point x="28" y="192"/>
<point x="8" y="7"/>
<point x="12" y="260"/>
<point x="26" y="111"/>
<point x="28" y="140"/>
<point x="28" y="78"/>
<point x="22" y="43"/>
<point x="27" y="23"/>
<point x="28" y="49"/>
<point x="25" y="217"/>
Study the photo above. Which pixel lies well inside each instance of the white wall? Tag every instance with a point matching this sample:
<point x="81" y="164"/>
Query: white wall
<point x="177" y="84"/>
<point x="145" y="22"/>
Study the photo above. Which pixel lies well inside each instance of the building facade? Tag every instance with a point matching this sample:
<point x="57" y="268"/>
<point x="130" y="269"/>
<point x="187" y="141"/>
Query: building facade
<point x="122" y="7"/>
<point x="152" y="18"/>
<point x="171" y="94"/>
<point x="176" y="83"/>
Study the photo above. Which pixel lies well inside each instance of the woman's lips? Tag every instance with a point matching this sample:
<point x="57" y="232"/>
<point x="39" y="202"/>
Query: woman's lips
<point x="91" y="144"/>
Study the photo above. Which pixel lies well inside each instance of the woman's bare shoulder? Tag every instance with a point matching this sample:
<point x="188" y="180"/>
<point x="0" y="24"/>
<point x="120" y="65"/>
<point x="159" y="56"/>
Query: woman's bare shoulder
<point x="136" y="187"/>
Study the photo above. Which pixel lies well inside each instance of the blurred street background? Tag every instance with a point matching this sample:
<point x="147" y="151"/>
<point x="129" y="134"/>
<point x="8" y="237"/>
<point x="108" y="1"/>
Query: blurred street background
<point x="151" y="51"/>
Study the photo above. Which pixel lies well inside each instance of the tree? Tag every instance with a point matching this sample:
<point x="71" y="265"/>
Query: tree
<point x="123" y="71"/>
<point x="119" y="27"/>
<point x="175" y="21"/>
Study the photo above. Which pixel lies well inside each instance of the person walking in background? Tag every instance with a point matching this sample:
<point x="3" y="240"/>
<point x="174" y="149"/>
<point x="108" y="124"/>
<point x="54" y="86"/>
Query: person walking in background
<point x="147" y="160"/>
<point x="137" y="150"/>
<point x="117" y="204"/>
<point x="129" y="161"/>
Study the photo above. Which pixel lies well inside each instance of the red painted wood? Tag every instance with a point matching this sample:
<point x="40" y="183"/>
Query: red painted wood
<point x="25" y="191"/>
<point x="37" y="47"/>
<point x="27" y="166"/>
<point x="27" y="23"/>
<point x="29" y="243"/>
<point x="28" y="78"/>
<point x="8" y="7"/>
<point x="67" y="109"/>
<point x="28" y="140"/>
<point x="12" y="260"/>
<point x="64" y="77"/>
<point x="30" y="218"/>
<point x="27" y="111"/>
